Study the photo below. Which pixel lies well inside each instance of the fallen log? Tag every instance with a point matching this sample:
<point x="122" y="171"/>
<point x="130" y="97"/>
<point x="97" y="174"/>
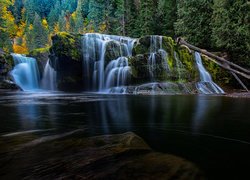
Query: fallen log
<point x="220" y="61"/>
<point x="183" y="42"/>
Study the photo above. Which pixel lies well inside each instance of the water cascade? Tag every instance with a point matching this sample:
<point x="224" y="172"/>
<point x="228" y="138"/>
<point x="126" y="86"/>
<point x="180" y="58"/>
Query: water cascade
<point x="105" y="62"/>
<point x="206" y="84"/>
<point x="25" y="73"/>
<point x="49" y="78"/>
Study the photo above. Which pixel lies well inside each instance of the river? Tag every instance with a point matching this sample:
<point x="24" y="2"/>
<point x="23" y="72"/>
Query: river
<point x="211" y="131"/>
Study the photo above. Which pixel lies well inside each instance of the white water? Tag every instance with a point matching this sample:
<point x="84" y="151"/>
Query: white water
<point x="25" y="73"/>
<point x="117" y="72"/>
<point x="206" y="84"/>
<point x="49" y="78"/>
<point x="98" y="74"/>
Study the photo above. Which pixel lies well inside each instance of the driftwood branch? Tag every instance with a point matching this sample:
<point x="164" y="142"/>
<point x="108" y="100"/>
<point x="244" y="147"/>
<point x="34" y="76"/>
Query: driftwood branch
<point x="220" y="61"/>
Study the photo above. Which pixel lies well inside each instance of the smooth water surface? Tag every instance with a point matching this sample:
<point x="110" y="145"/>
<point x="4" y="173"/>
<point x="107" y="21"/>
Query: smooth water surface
<point x="211" y="131"/>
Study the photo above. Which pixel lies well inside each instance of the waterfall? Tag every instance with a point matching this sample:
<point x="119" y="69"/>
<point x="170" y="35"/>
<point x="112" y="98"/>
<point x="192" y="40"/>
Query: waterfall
<point x="49" y="78"/>
<point x="25" y="73"/>
<point x="117" y="72"/>
<point x="105" y="61"/>
<point x="153" y="50"/>
<point x="206" y="84"/>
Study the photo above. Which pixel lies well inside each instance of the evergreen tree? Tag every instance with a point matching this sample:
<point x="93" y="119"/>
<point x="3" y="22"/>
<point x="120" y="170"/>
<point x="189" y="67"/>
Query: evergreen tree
<point x="54" y="14"/>
<point x="193" y="21"/>
<point x="166" y="17"/>
<point x="79" y="18"/>
<point x="231" y="28"/>
<point x="146" y="18"/>
<point x="7" y="26"/>
<point x="29" y="7"/>
<point x="37" y="36"/>
<point x="96" y="13"/>
<point x="62" y="21"/>
<point x="131" y="14"/>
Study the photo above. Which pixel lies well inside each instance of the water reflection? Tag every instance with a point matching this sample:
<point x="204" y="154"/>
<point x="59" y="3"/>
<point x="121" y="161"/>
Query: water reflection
<point x="211" y="131"/>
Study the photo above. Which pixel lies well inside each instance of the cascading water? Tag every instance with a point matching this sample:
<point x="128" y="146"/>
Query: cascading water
<point x="206" y="84"/>
<point x="49" y="78"/>
<point x="25" y="72"/>
<point x="100" y="72"/>
<point x="155" y="45"/>
<point x="117" y="72"/>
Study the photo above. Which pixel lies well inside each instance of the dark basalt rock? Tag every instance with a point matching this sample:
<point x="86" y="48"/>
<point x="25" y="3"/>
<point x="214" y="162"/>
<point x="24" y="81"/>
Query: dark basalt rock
<point x="121" y="156"/>
<point x="66" y="59"/>
<point x="42" y="56"/>
<point x="6" y="65"/>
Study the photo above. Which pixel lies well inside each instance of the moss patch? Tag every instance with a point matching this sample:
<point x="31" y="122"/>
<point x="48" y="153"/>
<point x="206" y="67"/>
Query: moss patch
<point x="67" y="45"/>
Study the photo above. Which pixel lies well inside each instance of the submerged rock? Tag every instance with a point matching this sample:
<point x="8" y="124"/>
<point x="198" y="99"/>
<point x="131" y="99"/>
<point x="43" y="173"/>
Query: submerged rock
<point x="120" y="156"/>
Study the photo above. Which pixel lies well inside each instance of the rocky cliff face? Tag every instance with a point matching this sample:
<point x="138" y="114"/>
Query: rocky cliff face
<point x="65" y="57"/>
<point x="6" y="65"/>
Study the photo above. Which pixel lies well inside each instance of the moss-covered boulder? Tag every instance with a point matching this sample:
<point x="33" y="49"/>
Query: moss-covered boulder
<point x="6" y="65"/>
<point x="142" y="71"/>
<point x="65" y="57"/>
<point x="113" y="51"/>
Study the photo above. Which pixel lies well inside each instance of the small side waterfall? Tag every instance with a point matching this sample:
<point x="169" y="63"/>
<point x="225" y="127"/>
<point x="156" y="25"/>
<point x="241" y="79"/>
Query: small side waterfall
<point x="155" y="45"/>
<point x="104" y="60"/>
<point x="25" y="73"/>
<point x="206" y="84"/>
<point x="49" y="78"/>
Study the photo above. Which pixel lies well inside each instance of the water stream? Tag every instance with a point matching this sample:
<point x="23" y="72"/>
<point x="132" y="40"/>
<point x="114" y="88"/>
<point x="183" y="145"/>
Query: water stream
<point x="25" y="73"/>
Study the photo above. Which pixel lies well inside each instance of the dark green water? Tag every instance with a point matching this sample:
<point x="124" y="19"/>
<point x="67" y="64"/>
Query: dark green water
<point x="211" y="131"/>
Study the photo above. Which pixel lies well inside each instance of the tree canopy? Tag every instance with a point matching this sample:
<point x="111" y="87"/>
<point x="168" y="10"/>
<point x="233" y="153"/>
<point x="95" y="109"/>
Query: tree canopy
<point x="215" y="24"/>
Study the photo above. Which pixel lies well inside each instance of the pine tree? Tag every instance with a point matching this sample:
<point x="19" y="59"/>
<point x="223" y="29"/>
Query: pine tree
<point x="131" y="15"/>
<point x="79" y="18"/>
<point x="146" y="18"/>
<point x="54" y="14"/>
<point x="7" y="26"/>
<point x="96" y="13"/>
<point x="37" y="34"/>
<point x="193" y="21"/>
<point x="166" y="17"/>
<point x="231" y="29"/>
<point x="62" y="21"/>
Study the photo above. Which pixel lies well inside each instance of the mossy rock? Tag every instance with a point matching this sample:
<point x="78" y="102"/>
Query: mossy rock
<point x="42" y="56"/>
<point x="65" y="57"/>
<point x="142" y="72"/>
<point x="190" y="71"/>
<point x="67" y="45"/>
<point x="113" y="51"/>
<point x="219" y="75"/>
<point x="6" y="64"/>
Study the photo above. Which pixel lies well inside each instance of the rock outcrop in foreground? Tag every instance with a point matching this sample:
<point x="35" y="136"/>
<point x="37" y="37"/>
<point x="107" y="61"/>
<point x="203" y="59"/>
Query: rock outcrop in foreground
<point x="74" y="156"/>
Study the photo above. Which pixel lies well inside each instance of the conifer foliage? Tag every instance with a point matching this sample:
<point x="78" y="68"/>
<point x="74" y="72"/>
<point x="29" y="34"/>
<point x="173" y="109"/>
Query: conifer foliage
<point x="214" y="24"/>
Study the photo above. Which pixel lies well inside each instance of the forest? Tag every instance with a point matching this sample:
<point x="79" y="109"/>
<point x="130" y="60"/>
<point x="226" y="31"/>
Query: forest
<point x="216" y="25"/>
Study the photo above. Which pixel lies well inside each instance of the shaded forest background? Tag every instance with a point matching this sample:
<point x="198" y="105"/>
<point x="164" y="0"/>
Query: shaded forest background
<point x="217" y="25"/>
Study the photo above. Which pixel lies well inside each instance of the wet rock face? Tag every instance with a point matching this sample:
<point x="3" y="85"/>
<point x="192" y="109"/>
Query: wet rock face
<point x="42" y="56"/>
<point x="6" y="65"/>
<point x="170" y="62"/>
<point x="121" y="156"/>
<point x="65" y="58"/>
